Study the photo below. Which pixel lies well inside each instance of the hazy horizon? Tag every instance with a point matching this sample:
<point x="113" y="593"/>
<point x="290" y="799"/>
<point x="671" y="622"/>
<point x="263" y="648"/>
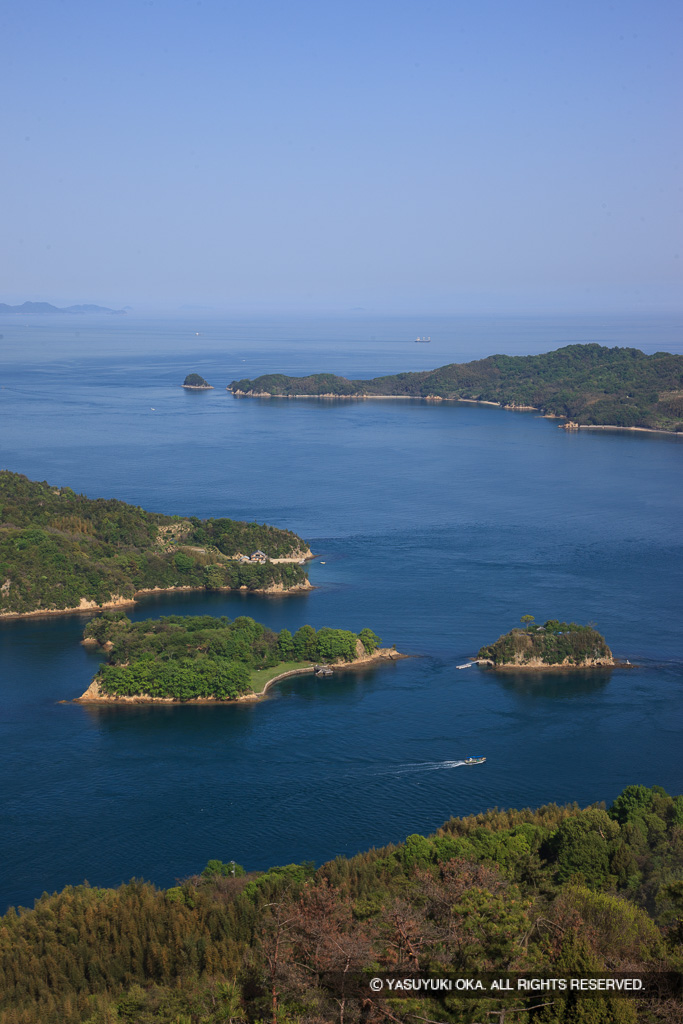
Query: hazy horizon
<point x="383" y="159"/>
<point x="293" y="314"/>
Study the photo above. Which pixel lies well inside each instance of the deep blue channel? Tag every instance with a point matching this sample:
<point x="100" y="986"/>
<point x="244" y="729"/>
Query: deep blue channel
<point x="438" y="526"/>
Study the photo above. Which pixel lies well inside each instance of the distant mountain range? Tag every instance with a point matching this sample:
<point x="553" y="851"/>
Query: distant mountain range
<point x="47" y="309"/>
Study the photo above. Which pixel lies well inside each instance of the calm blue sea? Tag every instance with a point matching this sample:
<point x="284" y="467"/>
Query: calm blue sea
<point x="436" y="525"/>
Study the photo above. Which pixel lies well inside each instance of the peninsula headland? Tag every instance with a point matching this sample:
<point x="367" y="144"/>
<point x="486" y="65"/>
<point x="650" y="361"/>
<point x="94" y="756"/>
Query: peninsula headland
<point x="587" y="385"/>
<point x="203" y="659"/>
<point x="63" y="552"/>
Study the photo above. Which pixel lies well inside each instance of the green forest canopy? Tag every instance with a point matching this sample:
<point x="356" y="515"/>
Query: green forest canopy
<point x="589" y="384"/>
<point x="58" y="547"/>
<point x="553" y="643"/>
<point x="558" y="890"/>
<point x="191" y="656"/>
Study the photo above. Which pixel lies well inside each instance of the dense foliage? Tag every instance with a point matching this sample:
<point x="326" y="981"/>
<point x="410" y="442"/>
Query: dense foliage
<point x="195" y="380"/>
<point x="186" y="657"/>
<point x="559" y="890"/>
<point x="589" y="384"/>
<point x="58" y="547"/>
<point x="554" y="643"/>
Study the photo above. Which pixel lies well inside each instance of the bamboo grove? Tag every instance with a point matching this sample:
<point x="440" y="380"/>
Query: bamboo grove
<point x="556" y="889"/>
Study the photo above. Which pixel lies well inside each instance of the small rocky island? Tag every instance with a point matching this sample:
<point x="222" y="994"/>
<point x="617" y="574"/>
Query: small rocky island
<point x="195" y="382"/>
<point x="201" y="658"/>
<point x="553" y="645"/>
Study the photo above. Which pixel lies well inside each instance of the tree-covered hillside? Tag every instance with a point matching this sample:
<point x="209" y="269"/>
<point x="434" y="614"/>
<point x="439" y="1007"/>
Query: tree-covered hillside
<point x="558" y="890"/>
<point x="195" y="380"/>
<point x="199" y="656"/>
<point x="58" y="548"/>
<point x="553" y="643"/>
<point x="589" y="384"/>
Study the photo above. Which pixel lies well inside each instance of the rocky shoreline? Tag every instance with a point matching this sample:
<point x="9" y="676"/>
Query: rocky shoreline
<point x="571" y="425"/>
<point x="94" y="694"/>
<point x="510" y="407"/>
<point x="536" y="665"/>
<point x="86" y="607"/>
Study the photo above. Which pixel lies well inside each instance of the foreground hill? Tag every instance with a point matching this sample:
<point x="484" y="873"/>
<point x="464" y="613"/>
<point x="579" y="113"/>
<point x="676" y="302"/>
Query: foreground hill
<point x="588" y="384"/>
<point x="60" y="550"/>
<point x="204" y="658"/>
<point x="558" y="890"/>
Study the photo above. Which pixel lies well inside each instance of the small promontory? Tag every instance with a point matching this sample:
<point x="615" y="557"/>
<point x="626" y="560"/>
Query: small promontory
<point x="553" y="645"/>
<point x="196" y="382"/>
<point x="201" y="658"/>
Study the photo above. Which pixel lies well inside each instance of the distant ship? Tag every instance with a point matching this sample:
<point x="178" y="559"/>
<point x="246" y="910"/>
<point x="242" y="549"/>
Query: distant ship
<point x="422" y="341"/>
<point x="474" y="760"/>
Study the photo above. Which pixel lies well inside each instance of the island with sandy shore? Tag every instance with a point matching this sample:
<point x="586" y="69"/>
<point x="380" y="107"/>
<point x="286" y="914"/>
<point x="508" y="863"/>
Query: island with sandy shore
<point x="554" y="644"/>
<point x="586" y="385"/>
<point x="204" y="659"/>
<point x="63" y="552"/>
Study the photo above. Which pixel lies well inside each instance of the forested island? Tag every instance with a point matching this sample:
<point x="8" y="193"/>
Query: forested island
<point x="553" y="645"/>
<point x="588" y="385"/>
<point x="558" y="891"/>
<point x="196" y="382"/>
<point x="204" y="658"/>
<point x="61" y="551"/>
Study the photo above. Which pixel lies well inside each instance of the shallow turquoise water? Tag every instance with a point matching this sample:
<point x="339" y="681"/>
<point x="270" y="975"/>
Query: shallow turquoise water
<point x="439" y="526"/>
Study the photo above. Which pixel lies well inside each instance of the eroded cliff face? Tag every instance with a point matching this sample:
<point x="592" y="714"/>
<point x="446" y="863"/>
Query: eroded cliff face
<point x="280" y="588"/>
<point x="94" y="692"/>
<point x="538" y="663"/>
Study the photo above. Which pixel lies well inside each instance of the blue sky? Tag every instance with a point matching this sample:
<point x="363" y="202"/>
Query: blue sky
<point x="474" y="156"/>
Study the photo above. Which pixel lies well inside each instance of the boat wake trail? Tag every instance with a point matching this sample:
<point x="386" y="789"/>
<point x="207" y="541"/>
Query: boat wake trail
<point x="421" y="766"/>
